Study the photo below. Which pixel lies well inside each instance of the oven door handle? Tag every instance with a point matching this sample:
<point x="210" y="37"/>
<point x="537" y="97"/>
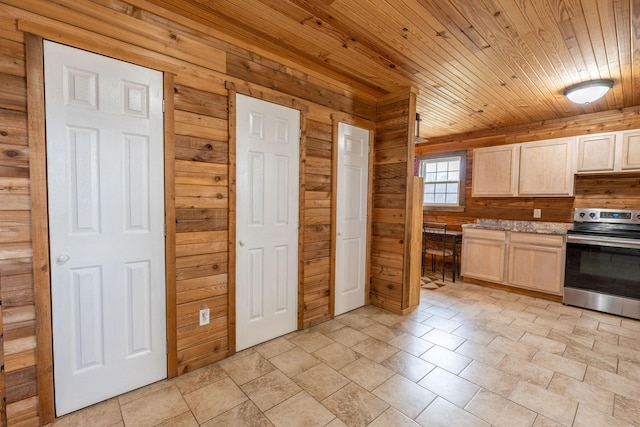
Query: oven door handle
<point x="607" y="241"/>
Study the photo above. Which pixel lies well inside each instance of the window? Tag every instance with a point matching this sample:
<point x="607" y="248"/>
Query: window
<point x="443" y="176"/>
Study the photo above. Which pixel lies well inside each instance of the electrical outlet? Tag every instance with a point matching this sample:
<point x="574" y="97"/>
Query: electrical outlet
<point x="204" y="316"/>
<point x="537" y="213"/>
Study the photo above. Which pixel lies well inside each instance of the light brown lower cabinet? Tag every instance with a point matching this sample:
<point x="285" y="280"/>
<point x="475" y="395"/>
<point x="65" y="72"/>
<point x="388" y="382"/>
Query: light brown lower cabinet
<point x="524" y="260"/>
<point x="536" y="262"/>
<point x="483" y="254"/>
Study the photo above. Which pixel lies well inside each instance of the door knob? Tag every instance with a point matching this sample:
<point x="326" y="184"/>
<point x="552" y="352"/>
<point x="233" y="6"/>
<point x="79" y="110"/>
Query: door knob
<point x="62" y="259"/>
<point x="339" y="234"/>
<point x="241" y="243"/>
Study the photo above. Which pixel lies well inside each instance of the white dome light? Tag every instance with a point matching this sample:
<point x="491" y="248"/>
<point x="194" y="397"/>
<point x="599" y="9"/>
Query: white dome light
<point x="588" y="92"/>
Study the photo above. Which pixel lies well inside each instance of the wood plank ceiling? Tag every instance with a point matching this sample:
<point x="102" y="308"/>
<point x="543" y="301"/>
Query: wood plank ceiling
<point x="479" y="64"/>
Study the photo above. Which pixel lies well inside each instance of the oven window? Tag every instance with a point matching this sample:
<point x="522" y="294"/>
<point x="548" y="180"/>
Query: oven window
<point x="614" y="271"/>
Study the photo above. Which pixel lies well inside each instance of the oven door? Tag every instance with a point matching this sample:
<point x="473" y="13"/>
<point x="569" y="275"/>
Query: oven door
<point x="603" y="273"/>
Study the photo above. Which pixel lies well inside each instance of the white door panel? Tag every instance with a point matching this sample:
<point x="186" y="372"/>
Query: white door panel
<point x="351" y="217"/>
<point x="105" y="171"/>
<point x="267" y="176"/>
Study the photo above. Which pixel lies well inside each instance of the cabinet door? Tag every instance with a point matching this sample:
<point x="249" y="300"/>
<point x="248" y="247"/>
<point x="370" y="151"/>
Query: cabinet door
<point x="630" y="150"/>
<point x="546" y="168"/>
<point x="596" y="153"/>
<point x="536" y="267"/>
<point x="483" y="258"/>
<point x="494" y="171"/>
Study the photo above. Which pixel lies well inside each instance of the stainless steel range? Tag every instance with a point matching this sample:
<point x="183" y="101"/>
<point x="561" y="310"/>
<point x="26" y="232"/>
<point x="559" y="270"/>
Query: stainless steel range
<point x="602" y="270"/>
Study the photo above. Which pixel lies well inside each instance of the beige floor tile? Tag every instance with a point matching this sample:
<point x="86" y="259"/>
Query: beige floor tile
<point x="442" y="324"/>
<point x="590" y="417"/>
<point x="440" y="311"/>
<point x="602" y="317"/>
<point x="216" y="398"/>
<point x="311" y="341"/>
<point x="542" y="401"/>
<point x="579" y="321"/>
<point x="531" y="326"/>
<point x="591" y="358"/>
<point x="183" y="420"/>
<point x="245" y="414"/>
<point x="597" y="335"/>
<point x="404" y="395"/>
<point x="544" y="344"/>
<point x="443" y="339"/>
<point x="347" y="336"/>
<point x="542" y="421"/>
<point x="542" y="313"/>
<point x="490" y="378"/>
<point x="367" y="373"/>
<point x="382" y="332"/>
<point x="446" y="359"/>
<point x="411" y="344"/>
<point x="375" y="350"/>
<point x="442" y="413"/>
<point x="553" y="323"/>
<point x="613" y="382"/>
<point x="270" y="389"/>
<point x="199" y="378"/>
<point x="367" y="310"/>
<point x="386" y="318"/>
<point x="481" y="353"/>
<point x="336" y="355"/>
<point x="527" y="371"/>
<point x="629" y="369"/>
<point x="321" y="381"/>
<point x="294" y="362"/>
<point x="413" y="328"/>
<point x="632" y="343"/>
<point x="450" y="387"/>
<point x="354" y="405"/>
<point x="355" y="321"/>
<point x="408" y="365"/>
<point x="154" y="408"/>
<point x="499" y="411"/>
<point x="583" y="392"/>
<point x="620" y="353"/>
<point x="328" y="326"/>
<point x="144" y="391"/>
<point x="630" y="324"/>
<point x="504" y="330"/>
<point x="274" y="347"/>
<point x="560" y="364"/>
<point x="475" y="334"/>
<point x="337" y="422"/>
<point x="514" y="349"/>
<point x="533" y="301"/>
<point x="572" y="339"/>
<point x="392" y="417"/>
<point x="103" y="414"/>
<point x="247" y="368"/>
<point x="300" y="410"/>
<point x="627" y="409"/>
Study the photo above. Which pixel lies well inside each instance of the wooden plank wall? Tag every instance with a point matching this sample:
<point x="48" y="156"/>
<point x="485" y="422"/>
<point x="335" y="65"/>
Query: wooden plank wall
<point x="317" y="223"/>
<point x="202" y="61"/>
<point x="588" y="191"/>
<point x="389" y="243"/>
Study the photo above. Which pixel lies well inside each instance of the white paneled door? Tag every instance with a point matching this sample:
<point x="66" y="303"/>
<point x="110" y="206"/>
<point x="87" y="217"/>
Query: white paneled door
<point x="106" y="220"/>
<point x="267" y="178"/>
<point x="351" y="217"/>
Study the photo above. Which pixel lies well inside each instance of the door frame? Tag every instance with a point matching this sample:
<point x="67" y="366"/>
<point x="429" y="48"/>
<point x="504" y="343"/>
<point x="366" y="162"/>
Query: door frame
<point x="337" y="118"/>
<point x="262" y="94"/>
<point x="40" y="220"/>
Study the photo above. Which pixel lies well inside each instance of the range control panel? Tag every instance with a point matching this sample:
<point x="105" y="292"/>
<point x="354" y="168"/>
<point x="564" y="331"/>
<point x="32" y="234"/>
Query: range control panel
<point x="607" y="215"/>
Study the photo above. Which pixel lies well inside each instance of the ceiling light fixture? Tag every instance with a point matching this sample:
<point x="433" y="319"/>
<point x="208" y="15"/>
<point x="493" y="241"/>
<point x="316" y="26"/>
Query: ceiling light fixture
<point x="418" y="120"/>
<point x="588" y="92"/>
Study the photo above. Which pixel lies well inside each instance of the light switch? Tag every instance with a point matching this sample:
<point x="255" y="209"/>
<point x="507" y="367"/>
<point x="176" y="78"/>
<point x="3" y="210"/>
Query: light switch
<point x="537" y="213"/>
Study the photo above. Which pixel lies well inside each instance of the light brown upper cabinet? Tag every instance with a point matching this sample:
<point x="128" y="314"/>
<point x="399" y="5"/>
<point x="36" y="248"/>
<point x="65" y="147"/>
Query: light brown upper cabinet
<point x="609" y="152"/>
<point x="495" y="171"/>
<point x="630" y="158"/>
<point x="596" y="153"/>
<point x="546" y="168"/>
<point x="542" y="168"/>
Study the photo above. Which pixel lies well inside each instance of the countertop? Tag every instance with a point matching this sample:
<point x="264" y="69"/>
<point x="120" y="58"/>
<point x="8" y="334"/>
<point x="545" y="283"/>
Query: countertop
<point x="521" y="226"/>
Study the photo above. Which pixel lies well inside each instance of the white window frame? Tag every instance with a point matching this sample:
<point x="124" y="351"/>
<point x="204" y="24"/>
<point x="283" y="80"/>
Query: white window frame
<point x="458" y="155"/>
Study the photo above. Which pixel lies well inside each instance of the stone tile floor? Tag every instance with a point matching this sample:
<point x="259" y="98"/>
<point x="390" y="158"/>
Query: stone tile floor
<point x="467" y="356"/>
